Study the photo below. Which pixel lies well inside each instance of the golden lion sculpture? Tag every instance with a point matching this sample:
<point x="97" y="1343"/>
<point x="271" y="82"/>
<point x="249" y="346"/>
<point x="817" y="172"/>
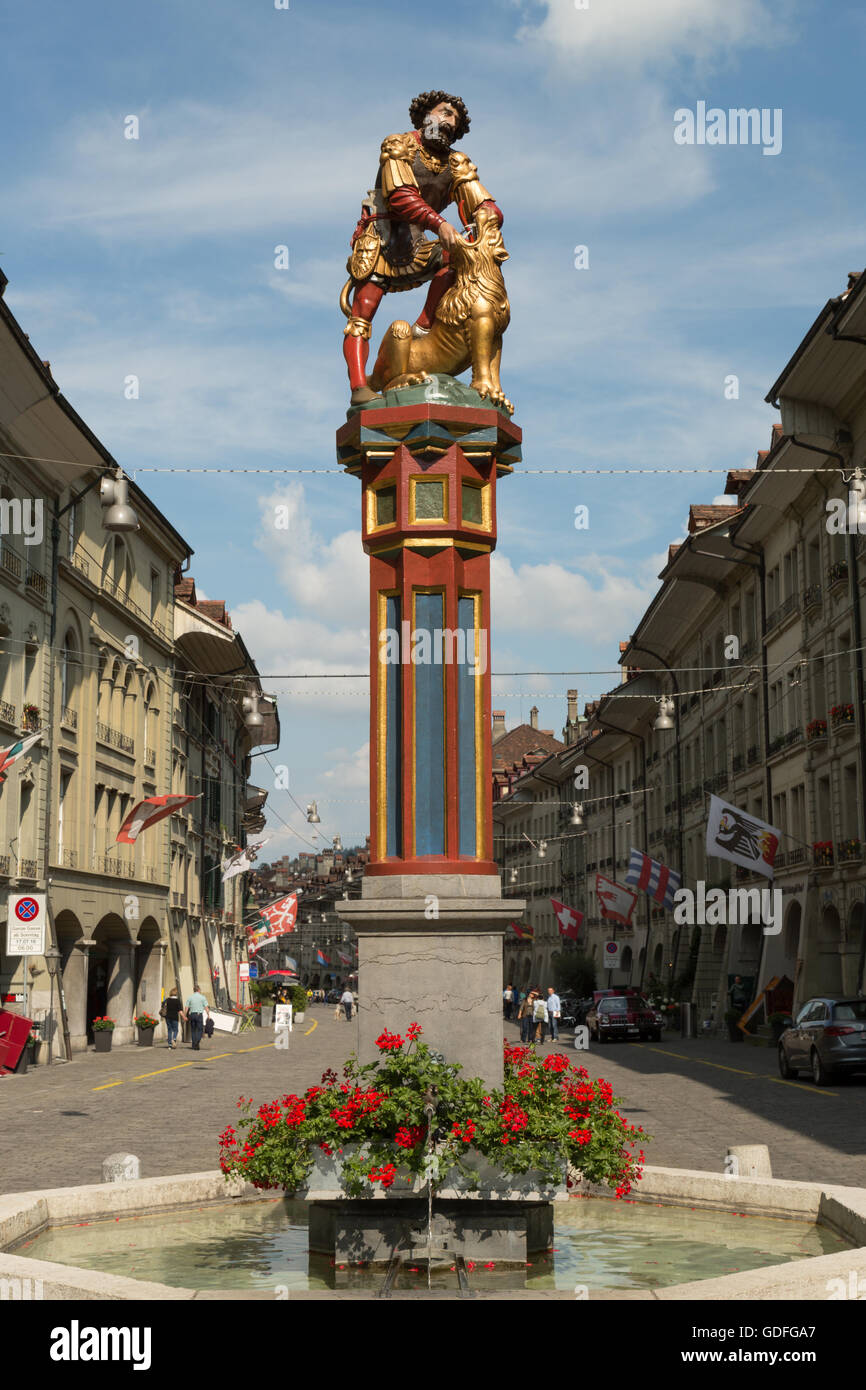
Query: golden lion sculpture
<point x="467" y="330"/>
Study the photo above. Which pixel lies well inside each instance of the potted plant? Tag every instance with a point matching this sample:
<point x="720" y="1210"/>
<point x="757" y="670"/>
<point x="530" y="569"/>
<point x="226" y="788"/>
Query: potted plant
<point x="779" y="1022"/>
<point x="103" y="1029"/>
<point x="411" y="1119"/>
<point x="30" y="718"/>
<point x="146" y="1025"/>
<point x="732" y="1018"/>
<point x="299" y="1003"/>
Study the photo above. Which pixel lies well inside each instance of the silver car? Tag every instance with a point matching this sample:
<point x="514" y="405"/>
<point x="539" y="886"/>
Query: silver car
<point x="827" y="1037"/>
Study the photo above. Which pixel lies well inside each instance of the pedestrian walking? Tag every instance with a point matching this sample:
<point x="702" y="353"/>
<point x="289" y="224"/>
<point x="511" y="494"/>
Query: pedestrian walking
<point x="347" y="1000"/>
<point x="170" y="1011"/>
<point x="196" y="1008"/>
<point x="554" y="1011"/>
<point x="539" y="1016"/>
<point x="508" y="1001"/>
<point x="524" y="1015"/>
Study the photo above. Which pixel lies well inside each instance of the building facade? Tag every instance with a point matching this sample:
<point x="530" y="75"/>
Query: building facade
<point x="95" y="654"/>
<point x="756" y="636"/>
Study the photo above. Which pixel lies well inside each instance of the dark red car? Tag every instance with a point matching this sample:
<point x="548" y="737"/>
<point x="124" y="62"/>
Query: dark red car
<point x="622" y="1016"/>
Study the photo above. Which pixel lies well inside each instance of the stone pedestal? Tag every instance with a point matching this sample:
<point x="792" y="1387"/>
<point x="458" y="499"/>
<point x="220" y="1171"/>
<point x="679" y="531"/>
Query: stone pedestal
<point x="374" y="1232"/>
<point x="430" y="951"/>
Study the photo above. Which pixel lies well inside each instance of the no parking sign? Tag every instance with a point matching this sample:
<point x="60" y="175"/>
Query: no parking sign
<point x="25" y="924"/>
<point x="611" y="955"/>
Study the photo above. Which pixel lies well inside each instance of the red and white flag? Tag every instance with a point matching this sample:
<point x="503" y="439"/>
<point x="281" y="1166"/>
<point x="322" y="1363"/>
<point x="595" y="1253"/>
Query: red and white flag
<point x="616" y="903"/>
<point x="147" y="813"/>
<point x="569" y="919"/>
<point x="523" y="931"/>
<point x="277" y="920"/>
<point x="347" y="960"/>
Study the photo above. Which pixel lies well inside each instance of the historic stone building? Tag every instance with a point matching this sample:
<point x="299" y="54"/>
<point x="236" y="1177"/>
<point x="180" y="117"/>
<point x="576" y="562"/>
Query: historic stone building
<point x="756" y="634"/>
<point x="99" y="654"/>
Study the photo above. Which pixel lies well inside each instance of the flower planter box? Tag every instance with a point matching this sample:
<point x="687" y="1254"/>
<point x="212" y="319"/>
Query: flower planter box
<point x="102" y="1039"/>
<point x="145" y="1037"/>
<point x="324" y="1182"/>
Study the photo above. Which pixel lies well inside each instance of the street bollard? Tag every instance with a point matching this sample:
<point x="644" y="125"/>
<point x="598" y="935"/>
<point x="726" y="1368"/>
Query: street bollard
<point x="121" y="1168"/>
<point x="688" y="1022"/>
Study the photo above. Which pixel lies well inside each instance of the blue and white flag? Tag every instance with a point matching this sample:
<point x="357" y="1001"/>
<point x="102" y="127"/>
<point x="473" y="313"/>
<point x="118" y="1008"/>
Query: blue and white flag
<point x="652" y="877"/>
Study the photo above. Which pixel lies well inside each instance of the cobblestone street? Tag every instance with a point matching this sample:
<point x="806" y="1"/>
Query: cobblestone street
<point x="695" y="1097"/>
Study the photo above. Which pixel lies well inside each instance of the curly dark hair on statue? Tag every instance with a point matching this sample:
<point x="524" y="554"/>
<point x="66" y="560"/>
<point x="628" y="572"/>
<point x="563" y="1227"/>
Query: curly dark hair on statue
<point x="425" y="102"/>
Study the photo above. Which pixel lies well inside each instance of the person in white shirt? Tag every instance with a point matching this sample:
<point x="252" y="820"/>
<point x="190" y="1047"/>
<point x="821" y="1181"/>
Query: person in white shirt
<point x="554" y="1009"/>
<point x="347" y="999"/>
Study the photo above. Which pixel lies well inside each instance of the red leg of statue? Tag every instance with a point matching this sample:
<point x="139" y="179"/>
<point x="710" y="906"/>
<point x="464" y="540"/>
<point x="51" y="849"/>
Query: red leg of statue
<point x="356" y="349"/>
<point x="442" y="280"/>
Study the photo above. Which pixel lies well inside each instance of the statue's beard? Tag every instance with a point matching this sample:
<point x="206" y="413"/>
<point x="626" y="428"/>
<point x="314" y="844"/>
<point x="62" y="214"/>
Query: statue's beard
<point x="436" y="137"/>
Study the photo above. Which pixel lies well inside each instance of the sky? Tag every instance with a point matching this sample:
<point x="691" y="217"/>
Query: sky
<point x="260" y="127"/>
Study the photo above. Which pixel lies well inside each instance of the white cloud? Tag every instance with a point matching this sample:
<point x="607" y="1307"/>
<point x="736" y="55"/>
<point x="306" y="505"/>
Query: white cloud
<point x="550" y="600"/>
<point x="196" y="172"/>
<point x="321" y="575"/>
<point x="351" y="770"/>
<point x="640" y="33"/>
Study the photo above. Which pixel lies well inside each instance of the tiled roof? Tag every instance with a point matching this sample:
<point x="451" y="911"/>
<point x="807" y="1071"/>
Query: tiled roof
<point x="701" y="516"/>
<point x="522" y="742"/>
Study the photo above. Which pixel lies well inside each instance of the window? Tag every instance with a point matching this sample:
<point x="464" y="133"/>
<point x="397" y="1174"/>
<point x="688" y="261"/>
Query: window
<point x="68" y="662"/>
<point x="65" y="779"/>
<point x="154" y="592"/>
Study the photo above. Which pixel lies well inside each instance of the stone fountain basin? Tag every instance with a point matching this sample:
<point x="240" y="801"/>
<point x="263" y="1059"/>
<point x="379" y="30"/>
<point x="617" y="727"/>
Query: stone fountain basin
<point x="842" y="1209"/>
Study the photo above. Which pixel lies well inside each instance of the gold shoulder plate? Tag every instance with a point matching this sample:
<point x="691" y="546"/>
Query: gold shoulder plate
<point x="462" y="168"/>
<point x="399" y="147"/>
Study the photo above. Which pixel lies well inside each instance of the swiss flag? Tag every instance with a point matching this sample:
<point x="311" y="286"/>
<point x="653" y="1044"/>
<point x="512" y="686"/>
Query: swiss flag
<point x="147" y="813"/>
<point x="569" y="919"/>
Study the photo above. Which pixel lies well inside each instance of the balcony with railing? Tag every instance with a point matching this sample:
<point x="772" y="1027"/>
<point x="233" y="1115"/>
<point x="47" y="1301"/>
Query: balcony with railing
<point x="27" y="868"/>
<point x="842" y="718"/>
<point x="150" y="757"/>
<point x="112" y="865"/>
<point x="717" y="783"/>
<point x="782" y="611"/>
<point x="36" y="582"/>
<point x="7" y="713"/>
<point x="10" y="561"/>
<point x="816" y="731"/>
<point x="80" y="563"/>
<point x="822" y="854"/>
<point x="813" y="598"/>
<point x="114" y="738"/>
<point x="738" y="762"/>
<point x="837" y="576"/>
<point x="797" y="855"/>
<point x="68" y="719"/>
<point x="118" y="592"/>
<point x="69" y="858"/>
<point x="849" y="851"/>
<point x="782" y="741"/>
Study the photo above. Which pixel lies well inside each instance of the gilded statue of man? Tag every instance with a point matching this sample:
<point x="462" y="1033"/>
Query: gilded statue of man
<point x="419" y="175"/>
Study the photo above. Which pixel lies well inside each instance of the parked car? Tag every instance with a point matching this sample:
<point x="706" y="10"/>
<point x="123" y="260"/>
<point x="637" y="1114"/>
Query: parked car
<point x="827" y="1037"/>
<point x="622" y="1016"/>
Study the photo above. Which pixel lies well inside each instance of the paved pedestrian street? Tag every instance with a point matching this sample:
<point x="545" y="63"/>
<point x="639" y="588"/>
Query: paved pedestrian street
<point x="696" y="1097"/>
